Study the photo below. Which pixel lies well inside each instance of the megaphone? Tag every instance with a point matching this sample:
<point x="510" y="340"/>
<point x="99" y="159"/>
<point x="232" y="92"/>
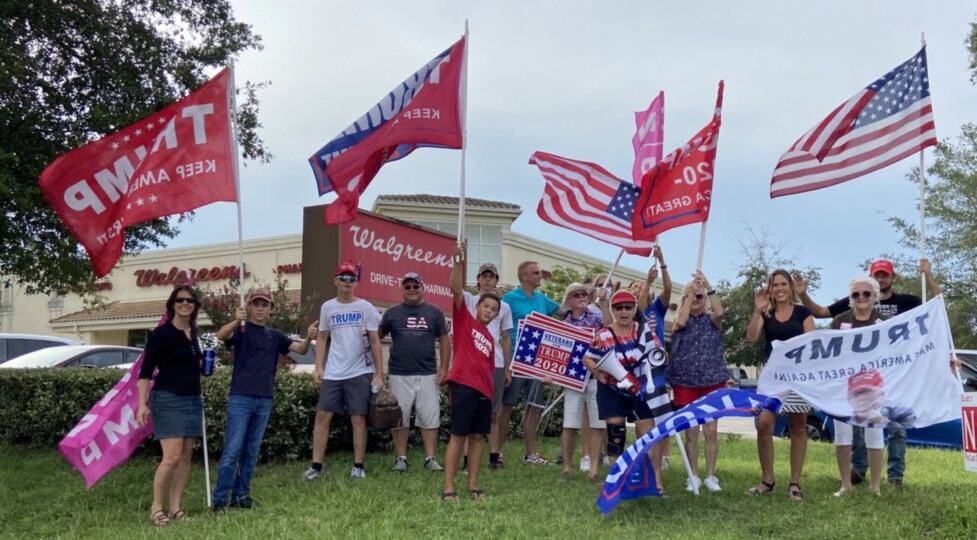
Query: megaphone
<point x="610" y="365"/>
<point x="655" y="356"/>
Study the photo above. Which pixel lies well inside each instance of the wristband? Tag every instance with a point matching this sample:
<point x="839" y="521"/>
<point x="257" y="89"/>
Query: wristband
<point x="663" y="266"/>
<point x="710" y="293"/>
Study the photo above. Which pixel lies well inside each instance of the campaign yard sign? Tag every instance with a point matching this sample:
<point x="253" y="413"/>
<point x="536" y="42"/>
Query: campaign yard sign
<point x="546" y="347"/>
<point x="968" y="405"/>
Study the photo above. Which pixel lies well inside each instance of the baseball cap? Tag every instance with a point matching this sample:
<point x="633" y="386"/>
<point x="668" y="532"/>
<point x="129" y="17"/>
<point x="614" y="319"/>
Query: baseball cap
<point x="572" y="288"/>
<point x="623" y="296"/>
<point x="346" y="268"/>
<point x="881" y="265"/>
<point x="261" y="294"/>
<point x="488" y="267"/>
<point x="870" y="379"/>
<point x="412" y="276"/>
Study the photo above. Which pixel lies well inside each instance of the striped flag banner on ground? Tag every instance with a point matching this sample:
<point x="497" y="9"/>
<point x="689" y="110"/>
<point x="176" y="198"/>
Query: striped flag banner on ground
<point x="888" y="120"/>
<point x="585" y="198"/>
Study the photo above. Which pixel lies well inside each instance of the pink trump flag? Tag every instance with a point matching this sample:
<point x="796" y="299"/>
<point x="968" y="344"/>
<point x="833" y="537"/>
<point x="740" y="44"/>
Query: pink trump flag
<point x="648" y="138"/>
<point x="108" y="434"/>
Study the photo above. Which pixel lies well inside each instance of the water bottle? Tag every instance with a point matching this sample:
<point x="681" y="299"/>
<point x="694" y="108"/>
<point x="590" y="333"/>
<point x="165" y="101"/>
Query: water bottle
<point x="375" y="388"/>
<point x="208" y="362"/>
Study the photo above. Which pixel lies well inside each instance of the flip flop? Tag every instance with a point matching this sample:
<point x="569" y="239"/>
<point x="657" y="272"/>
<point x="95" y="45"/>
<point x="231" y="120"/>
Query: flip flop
<point x="450" y="496"/>
<point x="478" y="494"/>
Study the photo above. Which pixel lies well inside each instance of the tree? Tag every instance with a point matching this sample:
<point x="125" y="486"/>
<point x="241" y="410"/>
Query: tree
<point x="561" y="276"/>
<point x="71" y="72"/>
<point x="951" y="224"/>
<point x="762" y="257"/>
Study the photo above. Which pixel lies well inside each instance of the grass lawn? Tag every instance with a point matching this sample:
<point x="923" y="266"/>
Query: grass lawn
<point x="43" y="497"/>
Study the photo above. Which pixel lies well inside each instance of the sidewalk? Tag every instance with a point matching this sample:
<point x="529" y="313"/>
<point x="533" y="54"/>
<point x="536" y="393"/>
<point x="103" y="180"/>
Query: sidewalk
<point x="743" y="427"/>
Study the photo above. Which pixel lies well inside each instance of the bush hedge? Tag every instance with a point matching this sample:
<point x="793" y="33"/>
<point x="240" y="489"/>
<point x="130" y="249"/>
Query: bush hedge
<point x="39" y="406"/>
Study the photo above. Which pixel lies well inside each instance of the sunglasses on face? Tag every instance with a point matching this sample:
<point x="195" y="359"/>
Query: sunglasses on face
<point x="347" y="278"/>
<point x="623" y="307"/>
<point x="579" y="294"/>
<point x="700" y="296"/>
<point x="184" y="300"/>
<point x="861" y="294"/>
<point x="411" y="287"/>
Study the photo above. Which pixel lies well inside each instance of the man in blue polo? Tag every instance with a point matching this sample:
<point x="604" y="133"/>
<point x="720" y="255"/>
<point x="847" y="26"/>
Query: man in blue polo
<point x="523" y="301"/>
<point x="256" y="351"/>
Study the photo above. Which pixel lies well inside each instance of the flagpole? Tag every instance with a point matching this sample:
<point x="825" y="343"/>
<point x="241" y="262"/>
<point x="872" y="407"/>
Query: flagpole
<point x="922" y="203"/>
<point x="610" y="273"/>
<point x="702" y="246"/>
<point x="464" y="136"/>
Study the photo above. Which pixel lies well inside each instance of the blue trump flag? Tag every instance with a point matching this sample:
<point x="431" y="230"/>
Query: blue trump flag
<point x="632" y="476"/>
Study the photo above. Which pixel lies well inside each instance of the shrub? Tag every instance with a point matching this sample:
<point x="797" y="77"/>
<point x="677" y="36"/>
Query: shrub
<point x="39" y="406"/>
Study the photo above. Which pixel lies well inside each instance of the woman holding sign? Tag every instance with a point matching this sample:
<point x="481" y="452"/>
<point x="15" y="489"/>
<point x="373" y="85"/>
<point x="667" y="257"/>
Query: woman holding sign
<point x="863" y="388"/>
<point x="613" y="358"/>
<point x="778" y="316"/>
<point x="469" y="381"/>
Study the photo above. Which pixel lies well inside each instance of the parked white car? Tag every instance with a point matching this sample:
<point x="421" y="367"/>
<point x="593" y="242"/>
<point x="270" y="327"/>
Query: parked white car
<point x="14" y="345"/>
<point x="90" y="356"/>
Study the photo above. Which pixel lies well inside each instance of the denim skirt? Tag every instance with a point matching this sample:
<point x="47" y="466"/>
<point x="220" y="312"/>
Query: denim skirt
<point x="176" y="415"/>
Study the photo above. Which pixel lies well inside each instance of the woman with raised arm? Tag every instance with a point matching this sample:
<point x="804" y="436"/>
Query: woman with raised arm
<point x="697" y="367"/>
<point x="778" y="316"/>
<point x="470" y="380"/>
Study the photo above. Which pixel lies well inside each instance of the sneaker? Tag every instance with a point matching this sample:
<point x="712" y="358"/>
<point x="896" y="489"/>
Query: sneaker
<point x="219" y="508"/>
<point x="857" y="477"/>
<point x="607" y="461"/>
<point x="693" y="483"/>
<point x="245" y="503"/>
<point x="665" y="464"/>
<point x="558" y="459"/>
<point x="564" y="477"/>
<point x="895" y="482"/>
<point x="400" y="465"/>
<point x="535" y="459"/>
<point x="585" y="463"/>
<point x="358" y="474"/>
<point x="712" y="484"/>
<point x="432" y="464"/>
<point x="311" y="475"/>
<point x="497" y="466"/>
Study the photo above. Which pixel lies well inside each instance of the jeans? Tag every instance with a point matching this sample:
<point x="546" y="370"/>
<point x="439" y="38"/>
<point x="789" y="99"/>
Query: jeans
<point x="247" y="418"/>
<point x="896" y="450"/>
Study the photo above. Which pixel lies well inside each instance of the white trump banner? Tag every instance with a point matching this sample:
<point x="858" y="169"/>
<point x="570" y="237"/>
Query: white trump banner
<point x="896" y="372"/>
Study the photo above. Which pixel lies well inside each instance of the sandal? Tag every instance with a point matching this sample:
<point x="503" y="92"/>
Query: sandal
<point x="180" y="515"/>
<point x="478" y="494"/>
<point x="159" y="518"/>
<point x="664" y="494"/>
<point x="449" y="496"/>
<point x="757" y="491"/>
<point x="795" y="494"/>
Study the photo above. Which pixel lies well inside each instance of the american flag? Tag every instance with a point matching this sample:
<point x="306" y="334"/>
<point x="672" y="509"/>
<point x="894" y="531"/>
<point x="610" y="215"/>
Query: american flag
<point x="890" y="119"/>
<point x="585" y="198"/>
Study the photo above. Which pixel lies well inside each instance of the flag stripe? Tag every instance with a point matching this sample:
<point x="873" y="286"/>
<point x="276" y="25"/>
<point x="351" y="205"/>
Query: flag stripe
<point x="576" y="197"/>
<point x="821" y="138"/>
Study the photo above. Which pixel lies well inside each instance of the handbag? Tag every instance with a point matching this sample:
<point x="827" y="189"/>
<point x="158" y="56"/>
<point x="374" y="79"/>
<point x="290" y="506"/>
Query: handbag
<point x="384" y="411"/>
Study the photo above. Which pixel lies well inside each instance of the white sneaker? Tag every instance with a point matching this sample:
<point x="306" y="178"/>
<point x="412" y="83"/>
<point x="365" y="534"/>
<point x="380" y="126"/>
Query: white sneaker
<point x="607" y="461"/>
<point x="432" y="464"/>
<point x="585" y="463"/>
<point x="712" y="484"/>
<point x="665" y="463"/>
<point x="358" y="474"/>
<point x="693" y="483"/>
<point x="400" y="465"/>
<point x="311" y="475"/>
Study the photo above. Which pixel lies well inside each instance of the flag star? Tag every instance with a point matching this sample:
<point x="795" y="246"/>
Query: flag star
<point x="150" y="125"/>
<point x="128" y="207"/>
<point x="125" y="139"/>
<point x="888" y="111"/>
<point x="115" y="146"/>
<point x="572" y="372"/>
<point x="139" y="202"/>
<point x="153" y="199"/>
<point x="162" y="120"/>
<point x="536" y="334"/>
<point x="874" y="116"/>
<point x="532" y="346"/>
<point x="138" y="132"/>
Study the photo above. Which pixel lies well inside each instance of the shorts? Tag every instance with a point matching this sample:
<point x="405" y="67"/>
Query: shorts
<point x="687" y="394"/>
<point x="794" y="403"/>
<point x="873" y="436"/>
<point x="573" y="406"/>
<point x="498" y="389"/>
<point x="418" y="392"/>
<point x="471" y="412"/>
<point x="612" y="404"/>
<point x="533" y="388"/>
<point x="347" y="396"/>
<point x="176" y="415"/>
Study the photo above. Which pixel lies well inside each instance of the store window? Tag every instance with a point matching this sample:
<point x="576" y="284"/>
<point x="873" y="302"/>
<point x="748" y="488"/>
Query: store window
<point x="137" y="338"/>
<point x="484" y="243"/>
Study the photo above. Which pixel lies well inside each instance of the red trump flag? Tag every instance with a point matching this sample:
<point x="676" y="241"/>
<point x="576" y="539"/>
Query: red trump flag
<point x="678" y="190"/>
<point x="424" y="110"/>
<point x="178" y="159"/>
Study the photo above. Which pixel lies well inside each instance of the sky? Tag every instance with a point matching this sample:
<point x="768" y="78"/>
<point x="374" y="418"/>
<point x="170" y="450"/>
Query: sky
<point x="566" y="76"/>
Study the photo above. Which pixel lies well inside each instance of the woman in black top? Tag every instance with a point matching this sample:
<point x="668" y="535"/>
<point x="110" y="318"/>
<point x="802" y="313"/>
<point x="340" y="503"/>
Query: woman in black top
<point x="175" y="403"/>
<point x="779" y="316"/>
